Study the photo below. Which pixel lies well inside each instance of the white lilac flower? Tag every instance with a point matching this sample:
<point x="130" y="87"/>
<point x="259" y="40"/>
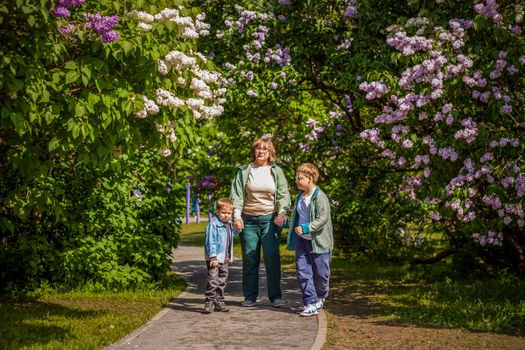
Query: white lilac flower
<point x="142" y="16"/>
<point x="172" y="136"/>
<point x="144" y="26"/>
<point x="165" y="152"/>
<point x="150" y="106"/>
<point x="194" y="103"/>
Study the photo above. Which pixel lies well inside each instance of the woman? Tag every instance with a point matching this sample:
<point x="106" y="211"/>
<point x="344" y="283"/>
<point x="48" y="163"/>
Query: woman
<point x="260" y="197"/>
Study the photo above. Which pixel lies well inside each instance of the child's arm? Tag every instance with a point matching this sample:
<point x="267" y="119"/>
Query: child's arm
<point x="211" y="244"/>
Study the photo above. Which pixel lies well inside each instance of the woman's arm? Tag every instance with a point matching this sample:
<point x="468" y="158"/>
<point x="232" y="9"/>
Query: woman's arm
<point x="237" y="197"/>
<point x="282" y="194"/>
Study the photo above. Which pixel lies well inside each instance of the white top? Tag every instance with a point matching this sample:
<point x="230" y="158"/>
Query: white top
<point x="260" y="191"/>
<point x="303" y="210"/>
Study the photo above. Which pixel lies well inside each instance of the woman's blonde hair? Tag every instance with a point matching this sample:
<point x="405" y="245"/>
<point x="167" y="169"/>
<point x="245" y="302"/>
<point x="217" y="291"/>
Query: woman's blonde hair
<point x="309" y="169"/>
<point x="266" y="140"/>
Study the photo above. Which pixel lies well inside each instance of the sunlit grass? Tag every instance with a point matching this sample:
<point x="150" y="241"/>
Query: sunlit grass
<point x="409" y="295"/>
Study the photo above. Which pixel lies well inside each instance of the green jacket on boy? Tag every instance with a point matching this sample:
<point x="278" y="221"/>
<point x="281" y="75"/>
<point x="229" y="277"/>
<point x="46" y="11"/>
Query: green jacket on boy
<point x="319" y="227"/>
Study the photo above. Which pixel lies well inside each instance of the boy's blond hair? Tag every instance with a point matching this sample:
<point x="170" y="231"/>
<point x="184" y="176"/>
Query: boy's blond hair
<point x="224" y="203"/>
<point x="309" y="169"/>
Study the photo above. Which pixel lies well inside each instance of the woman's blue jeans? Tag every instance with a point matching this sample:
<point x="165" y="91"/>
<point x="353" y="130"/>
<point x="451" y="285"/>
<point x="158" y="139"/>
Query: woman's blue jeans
<point x="260" y="231"/>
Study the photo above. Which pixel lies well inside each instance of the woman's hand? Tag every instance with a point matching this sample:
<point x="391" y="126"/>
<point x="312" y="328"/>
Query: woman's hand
<point x="238" y="225"/>
<point x="280" y="219"/>
<point x="299" y="230"/>
<point x="214" y="263"/>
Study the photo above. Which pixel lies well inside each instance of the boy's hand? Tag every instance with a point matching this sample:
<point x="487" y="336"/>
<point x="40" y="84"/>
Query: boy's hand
<point x="280" y="219"/>
<point x="214" y="263"/>
<point x="299" y="230"/>
<point x="238" y="225"/>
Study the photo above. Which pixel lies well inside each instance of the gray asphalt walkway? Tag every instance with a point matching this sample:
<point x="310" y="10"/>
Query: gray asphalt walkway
<point x="181" y="325"/>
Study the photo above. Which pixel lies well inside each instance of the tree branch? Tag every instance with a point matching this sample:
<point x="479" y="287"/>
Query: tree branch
<point x="440" y="256"/>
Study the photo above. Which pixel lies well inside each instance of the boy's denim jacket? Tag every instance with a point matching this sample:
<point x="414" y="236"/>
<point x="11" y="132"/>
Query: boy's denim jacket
<point x="215" y="240"/>
<point x="319" y="227"/>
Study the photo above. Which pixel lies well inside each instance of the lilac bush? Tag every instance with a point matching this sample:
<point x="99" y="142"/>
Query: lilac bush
<point x="455" y="119"/>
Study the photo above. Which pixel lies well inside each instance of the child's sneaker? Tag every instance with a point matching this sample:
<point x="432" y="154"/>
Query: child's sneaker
<point x="319" y="305"/>
<point x="208" y="307"/>
<point x="221" y="306"/>
<point x="309" y="310"/>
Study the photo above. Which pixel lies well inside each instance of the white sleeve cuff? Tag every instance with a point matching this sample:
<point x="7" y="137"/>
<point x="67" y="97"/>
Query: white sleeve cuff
<point x="236" y="214"/>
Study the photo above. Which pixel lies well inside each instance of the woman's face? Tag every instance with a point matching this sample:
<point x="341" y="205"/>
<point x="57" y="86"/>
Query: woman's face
<point x="262" y="154"/>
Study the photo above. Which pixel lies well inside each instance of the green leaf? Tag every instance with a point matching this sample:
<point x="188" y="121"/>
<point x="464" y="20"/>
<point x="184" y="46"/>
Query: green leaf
<point x="80" y="110"/>
<point x="85" y="80"/>
<point x="126" y="45"/>
<point x="86" y="71"/>
<point x="106" y="120"/>
<point x="106" y="100"/>
<point x="18" y="121"/>
<point x="31" y="21"/>
<point x="72" y="77"/>
<point x="101" y="150"/>
<point x="53" y="144"/>
<point x="84" y="158"/>
<point x="93" y="99"/>
<point x="71" y="65"/>
<point x="75" y="131"/>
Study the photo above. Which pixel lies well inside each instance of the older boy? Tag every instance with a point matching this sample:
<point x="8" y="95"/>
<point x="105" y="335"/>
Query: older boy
<point x="218" y="249"/>
<point x="312" y="236"/>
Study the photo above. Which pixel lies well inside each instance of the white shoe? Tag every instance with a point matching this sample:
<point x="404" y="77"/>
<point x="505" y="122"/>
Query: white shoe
<point x="309" y="310"/>
<point x="319" y="305"/>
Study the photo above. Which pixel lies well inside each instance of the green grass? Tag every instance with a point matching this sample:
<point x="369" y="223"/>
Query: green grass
<point x="427" y="297"/>
<point x="193" y="234"/>
<point x="80" y="320"/>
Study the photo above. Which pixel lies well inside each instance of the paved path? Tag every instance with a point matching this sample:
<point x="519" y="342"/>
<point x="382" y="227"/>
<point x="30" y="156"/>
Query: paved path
<point x="181" y="325"/>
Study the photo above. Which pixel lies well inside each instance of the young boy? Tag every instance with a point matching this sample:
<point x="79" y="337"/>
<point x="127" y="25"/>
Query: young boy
<point x="218" y="250"/>
<point x="311" y="235"/>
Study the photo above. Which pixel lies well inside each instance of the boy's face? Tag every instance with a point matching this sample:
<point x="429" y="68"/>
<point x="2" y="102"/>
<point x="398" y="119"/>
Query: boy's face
<point x="224" y="214"/>
<point x="303" y="181"/>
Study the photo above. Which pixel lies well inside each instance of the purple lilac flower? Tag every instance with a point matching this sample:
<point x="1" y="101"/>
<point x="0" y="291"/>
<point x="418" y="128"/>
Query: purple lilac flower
<point x="311" y="122"/>
<point x="304" y="147"/>
<point x="436" y="216"/>
<point x="374" y="89"/>
<point x="520" y="186"/>
<point x="506" y="109"/>
<point x="61" y="8"/>
<point x="109" y="37"/>
<point x="409" y="45"/>
<point x="507" y="181"/>
<point x="61" y="11"/>
<point x="103" y="25"/>
<point x="486" y="157"/>
<point x="66" y="30"/>
<point x="489" y="10"/>
<point x="350" y="12"/>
